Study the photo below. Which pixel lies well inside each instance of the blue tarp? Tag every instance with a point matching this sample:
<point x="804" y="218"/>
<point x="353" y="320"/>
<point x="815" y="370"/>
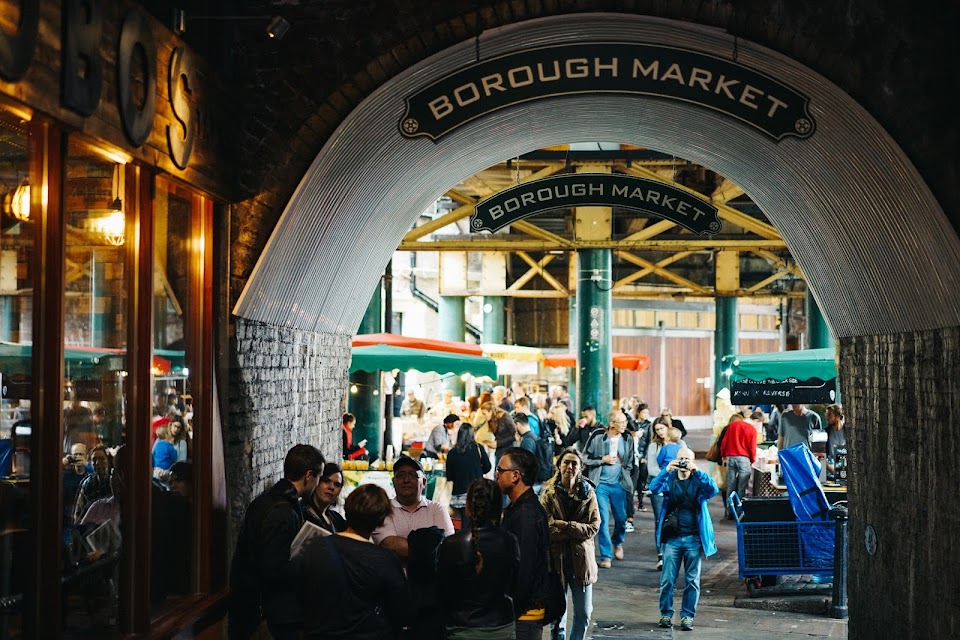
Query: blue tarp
<point x="801" y="475"/>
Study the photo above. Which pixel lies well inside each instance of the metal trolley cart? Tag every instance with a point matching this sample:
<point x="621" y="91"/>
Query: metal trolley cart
<point x="781" y="548"/>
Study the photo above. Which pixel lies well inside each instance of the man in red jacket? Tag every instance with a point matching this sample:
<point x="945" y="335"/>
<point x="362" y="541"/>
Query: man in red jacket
<point x="738" y="450"/>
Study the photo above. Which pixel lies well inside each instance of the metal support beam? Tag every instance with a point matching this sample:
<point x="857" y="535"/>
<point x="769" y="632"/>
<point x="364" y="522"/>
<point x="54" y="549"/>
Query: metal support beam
<point x="669" y="275"/>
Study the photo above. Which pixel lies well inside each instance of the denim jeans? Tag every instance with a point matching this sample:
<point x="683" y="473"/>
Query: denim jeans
<point x="656" y="501"/>
<point x="611" y="496"/>
<point x="582" y="597"/>
<point x="688" y="550"/>
<point x="529" y="630"/>
<point x="738" y="476"/>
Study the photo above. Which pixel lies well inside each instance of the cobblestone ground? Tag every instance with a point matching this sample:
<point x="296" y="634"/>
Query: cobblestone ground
<point x="625" y="598"/>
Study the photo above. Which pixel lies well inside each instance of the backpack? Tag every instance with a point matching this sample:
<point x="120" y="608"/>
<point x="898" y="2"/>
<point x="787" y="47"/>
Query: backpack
<point x="545" y="447"/>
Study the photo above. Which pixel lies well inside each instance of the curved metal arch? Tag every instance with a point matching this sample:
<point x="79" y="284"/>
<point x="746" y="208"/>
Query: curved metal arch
<point x="843" y="200"/>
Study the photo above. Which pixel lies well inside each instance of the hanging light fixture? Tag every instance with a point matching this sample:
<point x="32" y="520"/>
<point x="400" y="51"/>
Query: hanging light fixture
<point x="111" y="224"/>
<point x="17" y="202"/>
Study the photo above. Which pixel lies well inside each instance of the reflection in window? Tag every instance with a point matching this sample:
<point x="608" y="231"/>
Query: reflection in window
<point x="172" y="447"/>
<point x="94" y="393"/>
<point x="16" y="318"/>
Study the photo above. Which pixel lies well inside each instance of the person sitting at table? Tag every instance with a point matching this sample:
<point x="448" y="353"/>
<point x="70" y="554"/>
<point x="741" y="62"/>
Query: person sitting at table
<point x="411" y="509"/>
<point x="352" y="451"/>
<point x="164" y="454"/>
<point x="317" y="509"/>
<point x="95" y="485"/>
<point x="441" y="437"/>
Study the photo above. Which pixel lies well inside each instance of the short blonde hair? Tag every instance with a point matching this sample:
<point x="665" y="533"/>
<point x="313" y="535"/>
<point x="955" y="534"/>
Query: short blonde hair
<point x="674" y="434"/>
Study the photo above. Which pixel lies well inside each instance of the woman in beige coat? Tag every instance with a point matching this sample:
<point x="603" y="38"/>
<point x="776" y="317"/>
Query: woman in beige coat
<point x="571" y="505"/>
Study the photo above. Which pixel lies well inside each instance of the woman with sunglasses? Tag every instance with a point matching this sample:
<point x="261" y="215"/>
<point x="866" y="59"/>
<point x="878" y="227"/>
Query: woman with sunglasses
<point x="574" y="517"/>
<point x="318" y="508"/>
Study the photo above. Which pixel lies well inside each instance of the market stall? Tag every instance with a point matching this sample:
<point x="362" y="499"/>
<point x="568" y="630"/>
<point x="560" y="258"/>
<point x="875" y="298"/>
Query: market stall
<point x="382" y="357"/>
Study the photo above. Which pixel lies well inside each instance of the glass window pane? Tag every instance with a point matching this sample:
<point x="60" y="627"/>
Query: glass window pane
<point x="172" y="448"/>
<point x="16" y="339"/>
<point x="94" y="387"/>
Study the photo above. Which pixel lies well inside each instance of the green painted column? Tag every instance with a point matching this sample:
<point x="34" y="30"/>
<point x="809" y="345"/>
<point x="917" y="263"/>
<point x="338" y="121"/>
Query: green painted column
<point x="595" y="357"/>
<point x="453" y="325"/>
<point x="725" y="340"/>
<point x="818" y="331"/>
<point x="365" y="403"/>
<point x="494" y="325"/>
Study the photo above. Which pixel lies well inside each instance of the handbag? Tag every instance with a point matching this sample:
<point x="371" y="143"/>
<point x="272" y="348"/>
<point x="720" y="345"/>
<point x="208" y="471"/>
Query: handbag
<point x="671" y="525"/>
<point x="713" y="453"/>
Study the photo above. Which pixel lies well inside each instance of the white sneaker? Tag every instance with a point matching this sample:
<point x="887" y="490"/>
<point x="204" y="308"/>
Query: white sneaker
<point x="660" y="565"/>
<point x="629" y="527"/>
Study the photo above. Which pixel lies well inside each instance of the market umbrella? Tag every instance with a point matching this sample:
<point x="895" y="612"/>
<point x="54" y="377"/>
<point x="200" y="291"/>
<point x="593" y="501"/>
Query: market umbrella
<point x="512" y="359"/>
<point x="393" y="339"/>
<point x="381" y="357"/>
<point x="807" y="376"/>
<point x="620" y="361"/>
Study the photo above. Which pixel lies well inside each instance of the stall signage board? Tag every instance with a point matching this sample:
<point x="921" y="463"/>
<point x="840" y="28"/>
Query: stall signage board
<point x="784" y="391"/>
<point x="719" y="84"/>
<point x="595" y="189"/>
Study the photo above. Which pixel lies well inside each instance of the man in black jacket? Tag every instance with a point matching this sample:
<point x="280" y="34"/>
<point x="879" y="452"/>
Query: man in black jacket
<point x="525" y="518"/>
<point x="262" y="577"/>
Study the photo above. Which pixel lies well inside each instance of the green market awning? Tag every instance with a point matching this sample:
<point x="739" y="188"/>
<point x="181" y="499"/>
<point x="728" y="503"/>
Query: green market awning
<point x="808" y="376"/>
<point x="381" y="357"/>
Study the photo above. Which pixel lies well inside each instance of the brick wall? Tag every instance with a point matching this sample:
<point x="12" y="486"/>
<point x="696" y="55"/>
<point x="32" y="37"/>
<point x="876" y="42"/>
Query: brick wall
<point x="286" y="388"/>
<point x="900" y="396"/>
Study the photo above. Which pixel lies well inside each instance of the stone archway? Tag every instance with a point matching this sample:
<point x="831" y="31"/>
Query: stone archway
<point x="847" y="187"/>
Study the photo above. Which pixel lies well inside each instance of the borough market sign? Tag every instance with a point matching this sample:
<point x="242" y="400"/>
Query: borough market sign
<point x="715" y="83"/>
<point x="595" y="189"/>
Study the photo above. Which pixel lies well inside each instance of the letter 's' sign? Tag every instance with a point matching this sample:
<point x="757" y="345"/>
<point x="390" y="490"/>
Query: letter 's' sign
<point x="595" y="189"/>
<point x="640" y="69"/>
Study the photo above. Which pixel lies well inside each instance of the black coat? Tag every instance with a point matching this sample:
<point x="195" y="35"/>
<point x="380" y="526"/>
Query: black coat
<point x="484" y="600"/>
<point x="527" y="520"/>
<point x="352" y="590"/>
<point x="463" y="467"/>
<point x="262" y="578"/>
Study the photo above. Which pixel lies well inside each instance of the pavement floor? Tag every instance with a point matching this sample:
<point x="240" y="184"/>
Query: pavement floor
<point x="625" y="598"/>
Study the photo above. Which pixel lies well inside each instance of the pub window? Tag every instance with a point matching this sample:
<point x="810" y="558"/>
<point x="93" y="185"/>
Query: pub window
<point x="177" y="304"/>
<point x="95" y="386"/>
<point x="16" y="340"/>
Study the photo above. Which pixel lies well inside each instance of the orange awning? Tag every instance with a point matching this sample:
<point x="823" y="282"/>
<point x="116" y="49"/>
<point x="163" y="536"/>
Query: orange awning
<point x="394" y="340"/>
<point x="620" y="361"/>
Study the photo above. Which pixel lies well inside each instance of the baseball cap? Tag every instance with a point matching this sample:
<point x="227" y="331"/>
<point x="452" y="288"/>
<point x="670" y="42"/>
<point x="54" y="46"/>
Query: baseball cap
<point x="407" y="461"/>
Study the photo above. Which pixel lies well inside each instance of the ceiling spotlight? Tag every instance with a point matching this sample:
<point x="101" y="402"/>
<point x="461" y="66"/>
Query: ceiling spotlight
<point x="278" y="28"/>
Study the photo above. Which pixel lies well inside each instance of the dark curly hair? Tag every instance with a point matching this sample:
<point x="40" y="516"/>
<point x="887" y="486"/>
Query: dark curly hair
<point x="485" y="505"/>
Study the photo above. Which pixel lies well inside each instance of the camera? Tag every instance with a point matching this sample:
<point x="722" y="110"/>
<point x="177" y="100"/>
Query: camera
<point x="682" y="464"/>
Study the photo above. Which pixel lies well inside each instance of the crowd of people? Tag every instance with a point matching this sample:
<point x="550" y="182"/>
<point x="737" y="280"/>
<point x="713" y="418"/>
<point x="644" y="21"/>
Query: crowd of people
<point x="516" y="552"/>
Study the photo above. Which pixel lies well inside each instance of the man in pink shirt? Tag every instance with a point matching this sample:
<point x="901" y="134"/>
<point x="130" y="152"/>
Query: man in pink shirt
<point x="738" y="450"/>
<point x="411" y="510"/>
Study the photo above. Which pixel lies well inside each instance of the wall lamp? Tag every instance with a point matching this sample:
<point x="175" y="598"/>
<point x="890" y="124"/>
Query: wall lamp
<point x="275" y="29"/>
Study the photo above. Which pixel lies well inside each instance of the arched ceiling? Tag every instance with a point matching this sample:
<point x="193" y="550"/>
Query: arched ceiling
<point x="855" y="214"/>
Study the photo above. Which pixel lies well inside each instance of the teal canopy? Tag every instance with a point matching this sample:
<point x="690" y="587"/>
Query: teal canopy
<point x="807" y="376"/>
<point x="381" y="357"/>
